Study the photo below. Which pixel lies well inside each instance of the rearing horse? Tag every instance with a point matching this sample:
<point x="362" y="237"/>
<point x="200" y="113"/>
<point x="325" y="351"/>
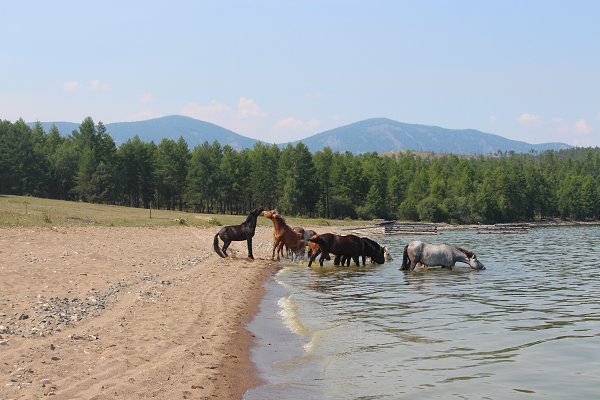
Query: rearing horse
<point x="283" y="235"/>
<point x="243" y="231"/>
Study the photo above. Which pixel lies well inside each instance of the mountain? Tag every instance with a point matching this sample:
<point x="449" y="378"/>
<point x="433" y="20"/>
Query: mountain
<point x="193" y="131"/>
<point x="377" y="134"/>
<point x="386" y="135"/>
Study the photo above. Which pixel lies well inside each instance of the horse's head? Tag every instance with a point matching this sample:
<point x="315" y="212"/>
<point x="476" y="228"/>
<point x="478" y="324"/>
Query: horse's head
<point x="269" y="213"/>
<point x="257" y="211"/>
<point x="475" y="263"/>
<point x="387" y="254"/>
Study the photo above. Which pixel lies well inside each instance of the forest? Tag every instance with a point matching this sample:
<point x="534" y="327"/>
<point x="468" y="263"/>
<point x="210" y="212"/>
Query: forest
<point x="88" y="166"/>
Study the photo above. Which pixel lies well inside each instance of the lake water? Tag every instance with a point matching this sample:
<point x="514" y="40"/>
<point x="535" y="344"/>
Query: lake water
<point x="527" y="327"/>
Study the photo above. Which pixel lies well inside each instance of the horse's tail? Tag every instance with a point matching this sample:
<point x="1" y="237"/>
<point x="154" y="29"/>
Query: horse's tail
<point x="405" y="259"/>
<point x="216" y="246"/>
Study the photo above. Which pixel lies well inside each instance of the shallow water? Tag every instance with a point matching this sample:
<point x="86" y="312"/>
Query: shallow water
<point x="526" y="327"/>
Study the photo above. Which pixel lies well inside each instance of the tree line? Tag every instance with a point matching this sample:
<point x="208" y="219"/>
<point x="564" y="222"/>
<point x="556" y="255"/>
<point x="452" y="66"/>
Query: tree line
<point x="210" y="178"/>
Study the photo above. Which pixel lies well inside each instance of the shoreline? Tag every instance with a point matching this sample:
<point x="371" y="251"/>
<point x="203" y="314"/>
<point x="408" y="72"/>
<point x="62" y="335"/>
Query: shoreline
<point x="241" y="368"/>
<point x="107" y="313"/>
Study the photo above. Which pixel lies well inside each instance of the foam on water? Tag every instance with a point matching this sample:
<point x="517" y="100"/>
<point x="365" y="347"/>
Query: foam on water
<point x="288" y="310"/>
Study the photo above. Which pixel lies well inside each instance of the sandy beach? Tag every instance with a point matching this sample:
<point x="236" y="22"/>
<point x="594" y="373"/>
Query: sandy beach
<point x="127" y="313"/>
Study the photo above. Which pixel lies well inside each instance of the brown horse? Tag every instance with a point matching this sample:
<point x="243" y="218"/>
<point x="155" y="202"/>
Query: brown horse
<point x="283" y="235"/>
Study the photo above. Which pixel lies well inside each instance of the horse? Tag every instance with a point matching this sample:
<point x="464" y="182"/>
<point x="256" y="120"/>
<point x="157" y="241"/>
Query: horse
<point x="372" y="249"/>
<point x="444" y="254"/>
<point x="349" y="245"/>
<point x="243" y="231"/>
<point x="284" y="235"/>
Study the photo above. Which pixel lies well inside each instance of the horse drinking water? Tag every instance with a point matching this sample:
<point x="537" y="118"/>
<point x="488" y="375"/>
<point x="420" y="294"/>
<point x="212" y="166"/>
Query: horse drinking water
<point x="243" y="231"/>
<point x="445" y="255"/>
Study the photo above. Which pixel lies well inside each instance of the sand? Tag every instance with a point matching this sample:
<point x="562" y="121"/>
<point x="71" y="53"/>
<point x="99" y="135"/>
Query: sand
<point x="127" y="313"/>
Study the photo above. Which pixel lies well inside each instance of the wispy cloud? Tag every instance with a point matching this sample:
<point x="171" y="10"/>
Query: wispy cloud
<point x="248" y="108"/>
<point x="248" y="118"/>
<point x="528" y="118"/>
<point x="296" y="126"/>
<point x="214" y="111"/>
<point x="97" y="84"/>
<point x="71" y="86"/>
<point x="144" y="114"/>
<point x="582" y="127"/>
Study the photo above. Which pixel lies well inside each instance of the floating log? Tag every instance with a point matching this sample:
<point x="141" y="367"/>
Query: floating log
<point x="504" y="228"/>
<point x="395" y="228"/>
<point x="411" y="228"/>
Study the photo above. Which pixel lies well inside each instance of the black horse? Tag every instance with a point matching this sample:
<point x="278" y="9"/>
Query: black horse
<point x="243" y="231"/>
<point x="348" y="245"/>
<point x="370" y="249"/>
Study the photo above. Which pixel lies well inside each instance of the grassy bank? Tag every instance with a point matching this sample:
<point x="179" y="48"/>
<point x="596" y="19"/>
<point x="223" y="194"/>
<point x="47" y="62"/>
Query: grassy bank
<point x="32" y="211"/>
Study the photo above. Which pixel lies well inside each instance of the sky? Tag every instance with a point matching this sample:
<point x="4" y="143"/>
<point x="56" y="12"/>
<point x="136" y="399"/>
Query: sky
<point x="279" y="70"/>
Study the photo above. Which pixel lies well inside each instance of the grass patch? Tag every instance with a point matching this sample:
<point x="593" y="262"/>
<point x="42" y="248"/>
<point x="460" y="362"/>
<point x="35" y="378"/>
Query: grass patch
<point x="33" y="211"/>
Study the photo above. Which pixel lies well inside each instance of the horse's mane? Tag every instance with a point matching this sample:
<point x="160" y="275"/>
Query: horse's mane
<point x="251" y="216"/>
<point x="469" y="253"/>
<point x="277" y="215"/>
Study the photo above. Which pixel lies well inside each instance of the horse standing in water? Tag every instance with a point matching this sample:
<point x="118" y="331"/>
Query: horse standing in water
<point x="348" y="245"/>
<point x="445" y="255"/>
<point x="284" y="235"/>
<point x="377" y="253"/>
<point x="243" y="231"/>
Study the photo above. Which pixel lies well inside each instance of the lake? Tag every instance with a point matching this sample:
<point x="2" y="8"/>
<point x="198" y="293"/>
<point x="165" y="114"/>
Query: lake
<point x="528" y="326"/>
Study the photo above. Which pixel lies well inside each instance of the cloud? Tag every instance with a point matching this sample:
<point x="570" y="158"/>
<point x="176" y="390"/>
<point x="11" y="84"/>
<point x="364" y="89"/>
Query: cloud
<point x="99" y="85"/>
<point x="493" y="119"/>
<point x="143" y="115"/>
<point x="71" y="86"/>
<point x="214" y="112"/>
<point x="581" y="127"/>
<point x="528" y="118"/>
<point x="296" y="125"/>
<point x="248" y="108"/>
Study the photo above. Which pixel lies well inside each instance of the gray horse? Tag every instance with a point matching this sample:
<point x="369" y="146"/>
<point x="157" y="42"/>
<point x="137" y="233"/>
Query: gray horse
<point x="443" y="254"/>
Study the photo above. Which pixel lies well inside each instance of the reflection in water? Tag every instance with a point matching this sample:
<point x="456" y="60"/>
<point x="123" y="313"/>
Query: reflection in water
<point x="526" y="327"/>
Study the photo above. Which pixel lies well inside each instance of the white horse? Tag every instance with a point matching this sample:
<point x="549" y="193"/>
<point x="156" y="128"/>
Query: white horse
<point x="443" y="254"/>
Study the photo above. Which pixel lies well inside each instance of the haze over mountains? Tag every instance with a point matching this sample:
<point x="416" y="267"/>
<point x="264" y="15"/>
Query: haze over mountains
<point x="370" y="135"/>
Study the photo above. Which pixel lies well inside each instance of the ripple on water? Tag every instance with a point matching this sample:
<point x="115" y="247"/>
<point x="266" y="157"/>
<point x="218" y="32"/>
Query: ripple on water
<point x="528" y="326"/>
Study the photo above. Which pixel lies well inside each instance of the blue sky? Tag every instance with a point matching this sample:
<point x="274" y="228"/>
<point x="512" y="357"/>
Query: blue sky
<point x="283" y="70"/>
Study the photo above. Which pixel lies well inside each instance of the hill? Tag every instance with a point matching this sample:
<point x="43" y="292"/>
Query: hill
<point x="370" y="135"/>
<point x="385" y="135"/>
<point x="193" y="131"/>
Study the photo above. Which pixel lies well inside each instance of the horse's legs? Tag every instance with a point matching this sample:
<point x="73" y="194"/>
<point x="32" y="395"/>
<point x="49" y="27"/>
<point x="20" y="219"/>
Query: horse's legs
<point x="280" y="249"/>
<point x="275" y="243"/>
<point x="250" y="248"/>
<point x="413" y="264"/>
<point x="364" y="258"/>
<point x="336" y="260"/>
<point x="322" y="258"/>
<point x="313" y="256"/>
<point x="356" y="260"/>
<point x="225" y="246"/>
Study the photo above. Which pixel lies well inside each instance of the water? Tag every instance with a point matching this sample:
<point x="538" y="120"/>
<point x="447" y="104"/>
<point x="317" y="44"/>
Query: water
<point x="526" y="327"/>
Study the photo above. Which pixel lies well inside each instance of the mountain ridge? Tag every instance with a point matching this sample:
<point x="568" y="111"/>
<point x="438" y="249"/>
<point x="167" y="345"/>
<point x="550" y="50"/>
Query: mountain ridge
<point x="370" y="135"/>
